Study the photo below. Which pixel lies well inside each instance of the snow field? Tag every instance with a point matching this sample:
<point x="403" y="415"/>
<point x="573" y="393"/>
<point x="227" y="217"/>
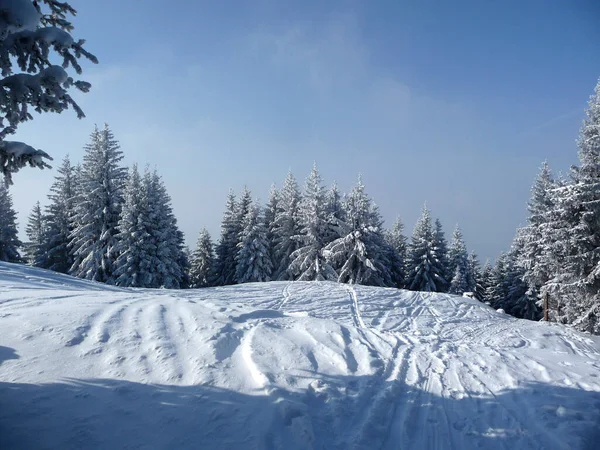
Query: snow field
<point x="283" y="365"/>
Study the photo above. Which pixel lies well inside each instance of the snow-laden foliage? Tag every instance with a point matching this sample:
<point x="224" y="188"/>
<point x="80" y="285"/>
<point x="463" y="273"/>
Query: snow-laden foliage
<point x="441" y="246"/>
<point x="56" y="254"/>
<point x="35" y="230"/>
<point x="202" y="262"/>
<point x="308" y="262"/>
<point x="361" y="253"/>
<point x="9" y="235"/>
<point x="426" y="268"/>
<point x="286" y="226"/>
<point x="93" y="241"/>
<point x="227" y="247"/>
<point x="474" y="277"/>
<point x="269" y="217"/>
<point x="253" y="258"/>
<point x="32" y="33"/>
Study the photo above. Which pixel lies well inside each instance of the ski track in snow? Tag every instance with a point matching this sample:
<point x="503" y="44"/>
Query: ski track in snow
<point x="284" y="365"/>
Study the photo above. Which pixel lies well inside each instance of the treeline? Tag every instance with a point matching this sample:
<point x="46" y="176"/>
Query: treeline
<point x="557" y="254"/>
<point x="102" y="223"/>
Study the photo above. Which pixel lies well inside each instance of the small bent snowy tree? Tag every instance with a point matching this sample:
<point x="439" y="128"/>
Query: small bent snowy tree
<point x="253" y="259"/>
<point x="202" y="262"/>
<point x="31" y="32"/>
<point x="9" y="235"/>
<point x="425" y="266"/>
<point x="361" y="252"/>
<point x="308" y="262"/>
<point x="93" y="241"/>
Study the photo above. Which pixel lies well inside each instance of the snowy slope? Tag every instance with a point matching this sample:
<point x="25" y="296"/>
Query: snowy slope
<point x="283" y="365"/>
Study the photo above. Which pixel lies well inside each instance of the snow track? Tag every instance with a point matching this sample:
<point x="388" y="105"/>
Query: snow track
<point x="283" y="365"/>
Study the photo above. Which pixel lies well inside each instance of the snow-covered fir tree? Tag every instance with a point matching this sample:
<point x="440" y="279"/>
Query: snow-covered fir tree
<point x="474" y="277"/>
<point x="135" y="244"/>
<point x="35" y="230"/>
<point x="397" y="242"/>
<point x="308" y="263"/>
<point x="269" y="217"/>
<point x="58" y="214"/>
<point x="426" y="269"/>
<point x="202" y="262"/>
<point x="361" y="253"/>
<point x="226" y="249"/>
<point x="9" y="235"/>
<point x="98" y="207"/>
<point x="253" y="259"/>
<point x="441" y="246"/>
<point x="334" y="206"/>
<point x="458" y="263"/>
<point x="31" y="30"/>
<point x="487" y="275"/>
<point x="286" y="226"/>
<point x="168" y="259"/>
<point x="499" y="282"/>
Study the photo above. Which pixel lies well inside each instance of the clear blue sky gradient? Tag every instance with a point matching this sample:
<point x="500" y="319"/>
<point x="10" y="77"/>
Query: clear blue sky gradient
<point x="453" y="103"/>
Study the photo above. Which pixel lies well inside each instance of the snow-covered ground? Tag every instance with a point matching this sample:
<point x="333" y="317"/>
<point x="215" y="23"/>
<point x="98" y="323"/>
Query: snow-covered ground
<point x="283" y="365"/>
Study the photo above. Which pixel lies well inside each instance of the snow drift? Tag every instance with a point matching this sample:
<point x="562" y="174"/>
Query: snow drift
<point x="283" y="365"/>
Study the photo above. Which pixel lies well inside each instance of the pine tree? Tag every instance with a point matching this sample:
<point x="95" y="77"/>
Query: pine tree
<point x="398" y="253"/>
<point x="487" y="283"/>
<point x="35" y="231"/>
<point x="474" y="277"/>
<point x="308" y="263"/>
<point x="361" y="252"/>
<point x="56" y="255"/>
<point x="29" y="32"/>
<point x="226" y="250"/>
<point x="336" y="215"/>
<point x="253" y="259"/>
<point x="168" y="263"/>
<point x="286" y="226"/>
<point x="458" y="263"/>
<point x="269" y="216"/>
<point x="135" y="246"/>
<point x="98" y="207"/>
<point x="202" y="262"/>
<point x="9" y="239"/>
<point x="441" y="246"/>
<point x="499" y="283"/>
<point x="425" y="266"/>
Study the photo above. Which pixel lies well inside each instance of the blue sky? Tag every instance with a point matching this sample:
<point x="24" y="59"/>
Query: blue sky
<point x="453" y="103"/>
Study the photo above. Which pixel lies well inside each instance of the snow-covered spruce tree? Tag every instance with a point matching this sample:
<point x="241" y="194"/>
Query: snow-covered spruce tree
<point x="269" y="217"/>
<point x="135" y="244"/>
<point x="308" y="263"/>
<point x="9" y="235"/>
<point x="487" y="275"/>
<point x="474" y="277"/>
<point x="93" y="239"/>
<point x="202" y="262"/>
<point x="534" y="240"/>
<point x="361" y="252"/>
<point x="253" y="259"/>
<point x="30" y="31"/>
<point x="286" y="226"/>
<point x="56" y="255"/>
<point x="425" y="267"/>
<point x="441" y="246"/>
<point x="458" y="263"/>
<point x="398" y="253"/>
<point x="499" y="282"/>
<point x="168" y="260"/>
<point x="35" y="231"/>
<point x="226" y="249"/>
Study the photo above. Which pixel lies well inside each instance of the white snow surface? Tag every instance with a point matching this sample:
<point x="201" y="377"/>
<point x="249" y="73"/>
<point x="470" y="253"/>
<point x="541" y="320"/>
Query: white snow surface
<point x="283" y="366"/>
